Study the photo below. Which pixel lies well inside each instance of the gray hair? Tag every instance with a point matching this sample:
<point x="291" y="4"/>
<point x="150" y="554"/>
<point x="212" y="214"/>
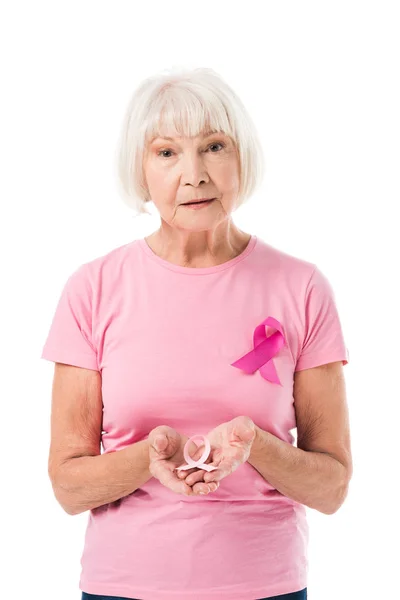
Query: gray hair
<point x="184" y="102"/>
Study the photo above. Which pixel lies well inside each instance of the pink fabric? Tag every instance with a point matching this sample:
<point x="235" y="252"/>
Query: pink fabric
<point x="165" y="338"/>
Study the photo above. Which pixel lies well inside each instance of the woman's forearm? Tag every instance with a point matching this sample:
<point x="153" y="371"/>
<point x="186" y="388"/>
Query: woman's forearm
<point x="86" y="482"/>
<point x="314" y="479"/>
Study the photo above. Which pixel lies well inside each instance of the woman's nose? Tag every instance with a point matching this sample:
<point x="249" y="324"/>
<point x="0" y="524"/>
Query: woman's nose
<point x="193" y="170"/>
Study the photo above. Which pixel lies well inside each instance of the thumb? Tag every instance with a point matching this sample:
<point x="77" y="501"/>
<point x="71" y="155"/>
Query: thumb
<point x="245" y="433"/>
<point x="160" y="444"/>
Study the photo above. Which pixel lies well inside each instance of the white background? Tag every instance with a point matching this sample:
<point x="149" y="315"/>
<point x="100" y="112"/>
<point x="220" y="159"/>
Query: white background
<point x="321" y="81"/>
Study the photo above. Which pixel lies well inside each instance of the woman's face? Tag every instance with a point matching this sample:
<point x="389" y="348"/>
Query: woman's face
<point x="182" y="169"/>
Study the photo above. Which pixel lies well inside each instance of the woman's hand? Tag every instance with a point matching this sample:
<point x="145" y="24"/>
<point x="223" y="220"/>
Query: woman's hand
<point x="166" y="453"/>
<point x="231" y="444"/>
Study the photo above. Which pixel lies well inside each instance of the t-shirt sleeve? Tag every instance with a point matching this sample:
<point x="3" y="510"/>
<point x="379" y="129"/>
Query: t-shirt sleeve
<point x="69" y="339"/>
<point x="323" y="335"/>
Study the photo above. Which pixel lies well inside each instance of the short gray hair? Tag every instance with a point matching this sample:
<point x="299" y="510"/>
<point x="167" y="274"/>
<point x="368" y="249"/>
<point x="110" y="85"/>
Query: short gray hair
<point x="184" y="102"/>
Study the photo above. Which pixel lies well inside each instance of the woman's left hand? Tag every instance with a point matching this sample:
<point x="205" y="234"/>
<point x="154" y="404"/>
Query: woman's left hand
<point x="231" y="444"/>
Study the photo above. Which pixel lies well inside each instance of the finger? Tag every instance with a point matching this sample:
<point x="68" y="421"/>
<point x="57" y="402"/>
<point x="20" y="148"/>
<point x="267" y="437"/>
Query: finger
<point x="245" y="430"/>
<point x="224" y="468"/>
<point x="203" y="489"/>
<point x="187" y="472"/>
<point x="214" y="485"/>
<point x="184" y="474"/>
<point x="193" y="478"/>
<point x="214" y="476"/>
<point x="160" y="447"/>
<point x="167" y="477"/>
<point x="160" y="443"/>
<point x="163" y="440"/>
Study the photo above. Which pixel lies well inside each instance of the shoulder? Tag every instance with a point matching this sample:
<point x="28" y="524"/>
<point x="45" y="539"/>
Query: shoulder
<point x="104" y="268"/>
<point x="288" y="268"/>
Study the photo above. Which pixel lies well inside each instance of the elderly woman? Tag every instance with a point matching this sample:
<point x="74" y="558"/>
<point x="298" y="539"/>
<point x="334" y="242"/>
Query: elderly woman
<point x="190" y="355"/>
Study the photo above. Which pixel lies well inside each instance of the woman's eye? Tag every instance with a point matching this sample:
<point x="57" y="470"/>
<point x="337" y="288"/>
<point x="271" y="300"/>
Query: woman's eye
<point x="162" y="152"/>
<point x="216" y="144"/>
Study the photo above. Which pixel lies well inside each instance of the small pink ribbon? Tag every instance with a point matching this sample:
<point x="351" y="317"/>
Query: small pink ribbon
<point x="264" y="349"/>
<point x="200" y="464"/>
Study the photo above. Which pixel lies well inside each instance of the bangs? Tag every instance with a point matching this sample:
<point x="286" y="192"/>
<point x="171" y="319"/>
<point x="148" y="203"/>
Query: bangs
<point x="186" y="113"/>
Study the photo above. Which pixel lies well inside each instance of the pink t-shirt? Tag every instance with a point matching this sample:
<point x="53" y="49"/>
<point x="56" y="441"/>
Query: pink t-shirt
<point x="163" y="337"/>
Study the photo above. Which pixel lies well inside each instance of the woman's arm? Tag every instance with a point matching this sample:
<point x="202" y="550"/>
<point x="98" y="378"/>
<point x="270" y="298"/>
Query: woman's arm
<point x="311" y="478"/>
<point x="316" y="473"/>
<point x="82" y="478"/>
<point x="86" y="482"/>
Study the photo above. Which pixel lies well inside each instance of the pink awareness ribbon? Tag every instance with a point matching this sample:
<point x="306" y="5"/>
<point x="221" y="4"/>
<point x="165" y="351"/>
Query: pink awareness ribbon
<point x="264" y="349"/>
<point x="200" y="464"/>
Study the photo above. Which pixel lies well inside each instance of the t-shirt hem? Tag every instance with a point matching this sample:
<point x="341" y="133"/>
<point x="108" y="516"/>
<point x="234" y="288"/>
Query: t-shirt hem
<point x="315" y="360"/>
<point x="78" y="360"/>
<point x="151" y="594"/>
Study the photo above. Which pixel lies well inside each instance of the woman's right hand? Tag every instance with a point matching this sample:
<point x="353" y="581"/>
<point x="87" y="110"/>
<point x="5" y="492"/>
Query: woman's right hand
<point x="166" y="453"/>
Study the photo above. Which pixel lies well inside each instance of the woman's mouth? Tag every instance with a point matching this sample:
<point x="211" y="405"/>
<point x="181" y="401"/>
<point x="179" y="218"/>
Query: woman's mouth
<point x="199" y="204"/>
